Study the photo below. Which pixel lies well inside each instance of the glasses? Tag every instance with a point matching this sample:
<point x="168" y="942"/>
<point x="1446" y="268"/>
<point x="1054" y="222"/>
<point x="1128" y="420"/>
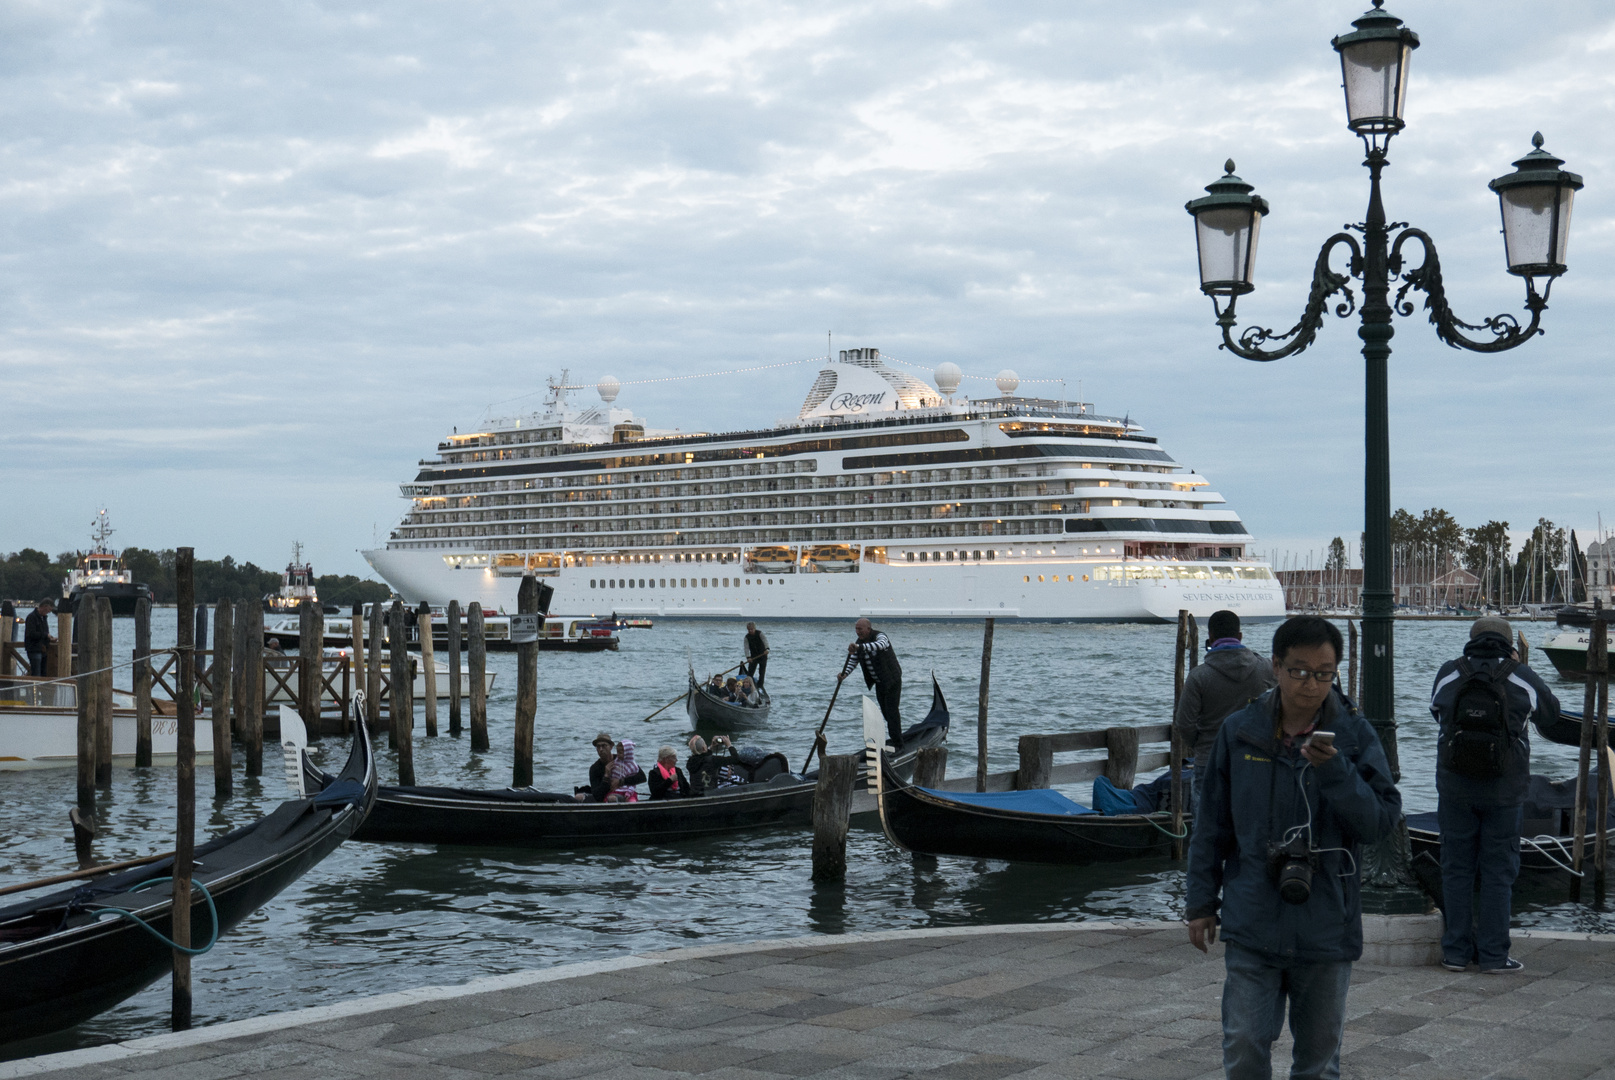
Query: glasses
<point x="1300" y="674"/>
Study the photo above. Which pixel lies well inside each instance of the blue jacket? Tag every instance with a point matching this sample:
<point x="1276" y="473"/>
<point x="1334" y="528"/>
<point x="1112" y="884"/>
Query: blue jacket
<point x="1528" y="699"/>
<point x="1251" y="795"/>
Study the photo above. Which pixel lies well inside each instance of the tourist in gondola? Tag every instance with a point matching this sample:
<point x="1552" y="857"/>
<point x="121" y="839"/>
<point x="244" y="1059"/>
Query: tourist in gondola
<point x="873" y="651"/>
<point x="37" y="636"/>
<point x="667" y="780"/>
<point x="1483" y="702"/>
<point x="600" y="772"/>
<point x="1296" y="784"/>
<point x="1231" y="678"/>
<point x="704" y="762"/>
<point x="755" y="648"/>
<point x="625" y="773"/>
<point x="748" y="693"/>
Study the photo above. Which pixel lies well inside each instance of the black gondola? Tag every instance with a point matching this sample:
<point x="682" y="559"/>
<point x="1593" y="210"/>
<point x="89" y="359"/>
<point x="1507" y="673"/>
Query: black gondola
<point x="62" y="962"/>
<point x="709" y="713"/>
<point x="1039" y="826"/>
<point x="537" y="819"/>
<point x="1546" y="832"/>
<point x="1566" y="730"/>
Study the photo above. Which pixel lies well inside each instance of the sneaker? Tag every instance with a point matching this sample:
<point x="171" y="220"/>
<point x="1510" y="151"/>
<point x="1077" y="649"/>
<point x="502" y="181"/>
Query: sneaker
<point x="1506" y="967"/>
<point x="1450" y="966"/>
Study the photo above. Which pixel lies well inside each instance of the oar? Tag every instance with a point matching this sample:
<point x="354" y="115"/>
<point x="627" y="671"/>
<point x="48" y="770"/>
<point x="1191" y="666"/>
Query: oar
<point x="77" y="874"/>
<point x="818" y="736"/>
<point x="686" y="693"/>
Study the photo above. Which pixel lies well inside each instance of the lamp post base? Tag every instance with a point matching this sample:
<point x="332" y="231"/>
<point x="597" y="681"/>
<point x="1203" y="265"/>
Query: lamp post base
<point x="1389" y="887"/>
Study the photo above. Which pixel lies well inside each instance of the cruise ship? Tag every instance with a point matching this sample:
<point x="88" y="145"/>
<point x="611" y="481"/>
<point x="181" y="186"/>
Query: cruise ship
<point x="886" y="496"/>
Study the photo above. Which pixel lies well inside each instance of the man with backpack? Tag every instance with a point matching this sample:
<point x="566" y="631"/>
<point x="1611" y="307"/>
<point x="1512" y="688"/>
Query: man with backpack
<point x="1482" y="703"/>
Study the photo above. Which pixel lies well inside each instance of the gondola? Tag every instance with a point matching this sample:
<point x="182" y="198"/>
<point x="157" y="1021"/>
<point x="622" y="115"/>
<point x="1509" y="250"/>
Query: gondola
<point x="1546" y="832"/>
<point x="64" y="959"/>
<point x="708" y="713"/>
<point x="1040" y="826"/>
<point x="1566" y="730"/>
<point x="537" y="819"/>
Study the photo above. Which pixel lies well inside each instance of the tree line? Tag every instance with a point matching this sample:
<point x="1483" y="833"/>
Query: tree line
<point x="1434" y="543"/>
<point x="31" y="575"/>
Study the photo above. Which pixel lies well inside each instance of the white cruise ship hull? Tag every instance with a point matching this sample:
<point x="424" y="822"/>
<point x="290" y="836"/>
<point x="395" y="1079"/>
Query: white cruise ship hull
<point x="1031" y="589"/>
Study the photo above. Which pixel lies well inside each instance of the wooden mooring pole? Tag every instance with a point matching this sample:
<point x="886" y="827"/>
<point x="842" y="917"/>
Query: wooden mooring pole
<point x="400" y="697"/>
<point x="1597" y="671"/>
<point x="832" y="809"/>
<point x="252" y="689"/>
<point x="1178" y="750"/>
<point x="931" y="766"/>
<point x="185" y="762"/>
<point x="239" y="619"/>
<point x="423" y="625"/>
<point x="479" y="689"/>
<point x="526" y="689"/>
<point x="372" y="705"/>
<point x="1601" y="748"/>
<point x="142" y="676"/>
<point x="453" y="616"/>
<point x="1351" y="659"/>
<point x="64" y="645"/>
<point x="224" y="633"/>
<point x="981" y="704"/>
<point x="85" y="692"/>
<point x="100" y="629"/>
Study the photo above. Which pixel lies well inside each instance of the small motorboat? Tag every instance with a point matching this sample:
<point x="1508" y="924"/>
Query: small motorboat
<point x="1567" y="649"/>
<point x="76" y="952"/>
<point x="39" y="727"/>
<point x="1038" y="826"/>
<point x="522" y="817"/>
<point x="708" y="712"/>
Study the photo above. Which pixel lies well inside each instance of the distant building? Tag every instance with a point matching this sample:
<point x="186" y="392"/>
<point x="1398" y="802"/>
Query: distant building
<point x="1600" y="574"/>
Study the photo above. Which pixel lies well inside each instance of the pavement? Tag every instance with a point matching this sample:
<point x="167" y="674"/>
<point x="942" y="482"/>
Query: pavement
<point x="1129" y="1001"/>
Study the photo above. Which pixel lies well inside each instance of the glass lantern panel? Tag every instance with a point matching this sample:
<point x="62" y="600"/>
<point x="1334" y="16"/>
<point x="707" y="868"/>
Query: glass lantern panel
<point x="1529" y="234"/>
<point x="1227" y="240"/>
<point x="1376" y="75"/>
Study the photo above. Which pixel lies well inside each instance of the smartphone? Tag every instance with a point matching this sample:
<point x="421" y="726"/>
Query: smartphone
<point x="1321" y="739"/>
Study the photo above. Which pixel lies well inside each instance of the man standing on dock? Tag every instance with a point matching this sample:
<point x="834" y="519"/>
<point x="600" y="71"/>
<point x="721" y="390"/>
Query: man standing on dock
<point x="1231" y="678"/>
<point x="36" y="636"/>
<point x="874" y="652"/>
<point x="1482" y="702"/>
<point x="756" y="653"/>
<point x="1295" y="784"/>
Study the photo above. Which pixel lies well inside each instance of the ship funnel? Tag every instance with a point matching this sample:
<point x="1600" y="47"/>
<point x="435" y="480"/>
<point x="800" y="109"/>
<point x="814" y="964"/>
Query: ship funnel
<point x="609" y="388"/>
<point x="1007" y="381"/>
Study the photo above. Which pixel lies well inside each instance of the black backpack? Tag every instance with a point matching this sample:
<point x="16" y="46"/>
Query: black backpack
<point x="1478" y="734"/>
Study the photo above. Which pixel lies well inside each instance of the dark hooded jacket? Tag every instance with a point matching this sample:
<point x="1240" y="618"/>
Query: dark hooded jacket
<point x="1255" y="790"/>
<point x="1228" y="680"/>
<point x="1529" y="699"/>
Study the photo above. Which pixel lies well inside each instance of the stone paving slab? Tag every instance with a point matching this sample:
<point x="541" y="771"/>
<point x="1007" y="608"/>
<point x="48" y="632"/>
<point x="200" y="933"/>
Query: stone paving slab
<point x="1119" y="1001"/>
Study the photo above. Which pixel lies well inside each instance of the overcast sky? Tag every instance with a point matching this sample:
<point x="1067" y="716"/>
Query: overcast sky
<point x="258" y="257"/>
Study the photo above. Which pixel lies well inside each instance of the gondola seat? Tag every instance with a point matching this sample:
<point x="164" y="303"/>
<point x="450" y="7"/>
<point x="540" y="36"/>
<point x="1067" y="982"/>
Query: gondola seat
<point x="1037" y="801"/>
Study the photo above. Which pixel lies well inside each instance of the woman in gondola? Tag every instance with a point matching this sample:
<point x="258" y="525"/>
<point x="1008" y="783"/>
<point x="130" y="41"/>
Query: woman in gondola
<point x="667" y="780"/>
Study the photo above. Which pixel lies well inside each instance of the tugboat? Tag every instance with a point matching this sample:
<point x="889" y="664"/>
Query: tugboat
<point x="100" y="572"/>
<point x="296" y="585"/>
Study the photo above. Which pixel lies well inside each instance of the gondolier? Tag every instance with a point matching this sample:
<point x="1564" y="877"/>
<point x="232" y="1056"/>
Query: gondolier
<point x="874" y="653"/>
<point x="756" y="654"/>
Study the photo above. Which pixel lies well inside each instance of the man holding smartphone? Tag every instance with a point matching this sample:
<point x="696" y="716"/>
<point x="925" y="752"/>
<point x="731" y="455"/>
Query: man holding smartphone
<point x="1482" y="702"/>
<point x="1295" y="783"/>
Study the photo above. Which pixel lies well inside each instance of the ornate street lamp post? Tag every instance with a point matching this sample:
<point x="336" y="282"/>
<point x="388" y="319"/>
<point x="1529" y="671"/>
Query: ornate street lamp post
<point x="1535" y="200"/>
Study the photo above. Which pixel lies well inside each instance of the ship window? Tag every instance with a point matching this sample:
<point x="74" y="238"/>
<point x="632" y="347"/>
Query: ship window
<point x="911" y="556"/>
<point x="591" y="583"/>
<point x="1040" y="577"/>
<point x="663" y="584"/>
<point x="726" y="583"/>
<point x="1084" y="577"/>
<point x="992" y="554"/>
<point x="936" y="556"/>
<point x="703" y="582"/>
<point x="1071" y="577"/>
<point x="950" y="556"/>
<point x="1026" y="577"/>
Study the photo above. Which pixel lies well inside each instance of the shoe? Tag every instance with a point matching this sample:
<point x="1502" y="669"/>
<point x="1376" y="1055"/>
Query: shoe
<point x="1507" y="967"/>
<point x="1450" y="966"/>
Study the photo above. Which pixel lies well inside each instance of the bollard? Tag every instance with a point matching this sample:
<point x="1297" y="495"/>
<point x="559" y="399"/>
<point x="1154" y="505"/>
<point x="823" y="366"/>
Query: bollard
<point x="1121" y="766"/>
<point x="252" y="689"/>
<point x="100" y="628"/>
<point x="423" y="622"/>
<point x="400" y="706"/>
<point x="479" y="683"/>
<point x="981" y="705"/>
<point x="453" y="617"/>
<point x="224" y="632"/>
<point x="526" y="689"/>
<point x="931" y="766"/>
<point x="185" y="783"/>
<point x="142" y="676"/>
<point x="832" y="807"/>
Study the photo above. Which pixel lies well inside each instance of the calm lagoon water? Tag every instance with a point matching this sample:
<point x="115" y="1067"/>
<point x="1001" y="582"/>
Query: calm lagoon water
<point x="376" y="918"/>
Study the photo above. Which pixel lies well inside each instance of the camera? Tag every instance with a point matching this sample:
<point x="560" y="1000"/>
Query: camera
<point x="1291" y="866"/>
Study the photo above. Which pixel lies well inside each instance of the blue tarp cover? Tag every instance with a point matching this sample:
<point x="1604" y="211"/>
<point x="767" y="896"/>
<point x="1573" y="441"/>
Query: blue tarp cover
<point x="1041" y="801"/>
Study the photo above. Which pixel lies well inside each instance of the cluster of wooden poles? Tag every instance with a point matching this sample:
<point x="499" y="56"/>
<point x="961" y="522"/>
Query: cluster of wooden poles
<point x="1594" y="739"/>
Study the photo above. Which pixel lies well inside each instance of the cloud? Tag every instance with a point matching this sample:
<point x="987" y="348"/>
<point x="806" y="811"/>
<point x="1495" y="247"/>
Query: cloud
<point x="266" y="255"/>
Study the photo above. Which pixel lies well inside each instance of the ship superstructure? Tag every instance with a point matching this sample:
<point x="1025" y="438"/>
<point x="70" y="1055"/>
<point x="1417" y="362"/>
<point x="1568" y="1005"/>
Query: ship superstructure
<point x="885" y="496"/>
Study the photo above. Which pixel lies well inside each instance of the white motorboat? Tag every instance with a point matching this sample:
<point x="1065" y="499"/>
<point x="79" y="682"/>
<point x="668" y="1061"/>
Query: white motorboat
<point x="39" y="729"/>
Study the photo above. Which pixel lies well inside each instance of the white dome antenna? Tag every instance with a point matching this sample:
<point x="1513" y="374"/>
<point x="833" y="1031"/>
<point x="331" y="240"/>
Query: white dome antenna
<point x="609" y="388"/>
<point x="948" y="377"/>
<point x="1007" y="381"/>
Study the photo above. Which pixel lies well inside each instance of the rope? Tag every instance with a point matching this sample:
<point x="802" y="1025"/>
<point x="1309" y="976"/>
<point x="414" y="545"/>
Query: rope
<point x="1184" y="835"/>
<point x="158" y="934"/>
<point x="1536" y="843"/>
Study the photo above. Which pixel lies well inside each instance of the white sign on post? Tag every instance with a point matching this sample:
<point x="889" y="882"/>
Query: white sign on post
<point x="523" y="629"/>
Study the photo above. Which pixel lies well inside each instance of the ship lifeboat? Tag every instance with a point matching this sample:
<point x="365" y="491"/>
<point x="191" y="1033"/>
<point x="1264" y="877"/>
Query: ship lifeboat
<point x="771" y="559"/>
<point x="831" y="558"/>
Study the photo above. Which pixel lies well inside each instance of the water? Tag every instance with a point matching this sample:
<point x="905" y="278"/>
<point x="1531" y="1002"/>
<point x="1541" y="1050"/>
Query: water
<point x="377" y="918"/>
